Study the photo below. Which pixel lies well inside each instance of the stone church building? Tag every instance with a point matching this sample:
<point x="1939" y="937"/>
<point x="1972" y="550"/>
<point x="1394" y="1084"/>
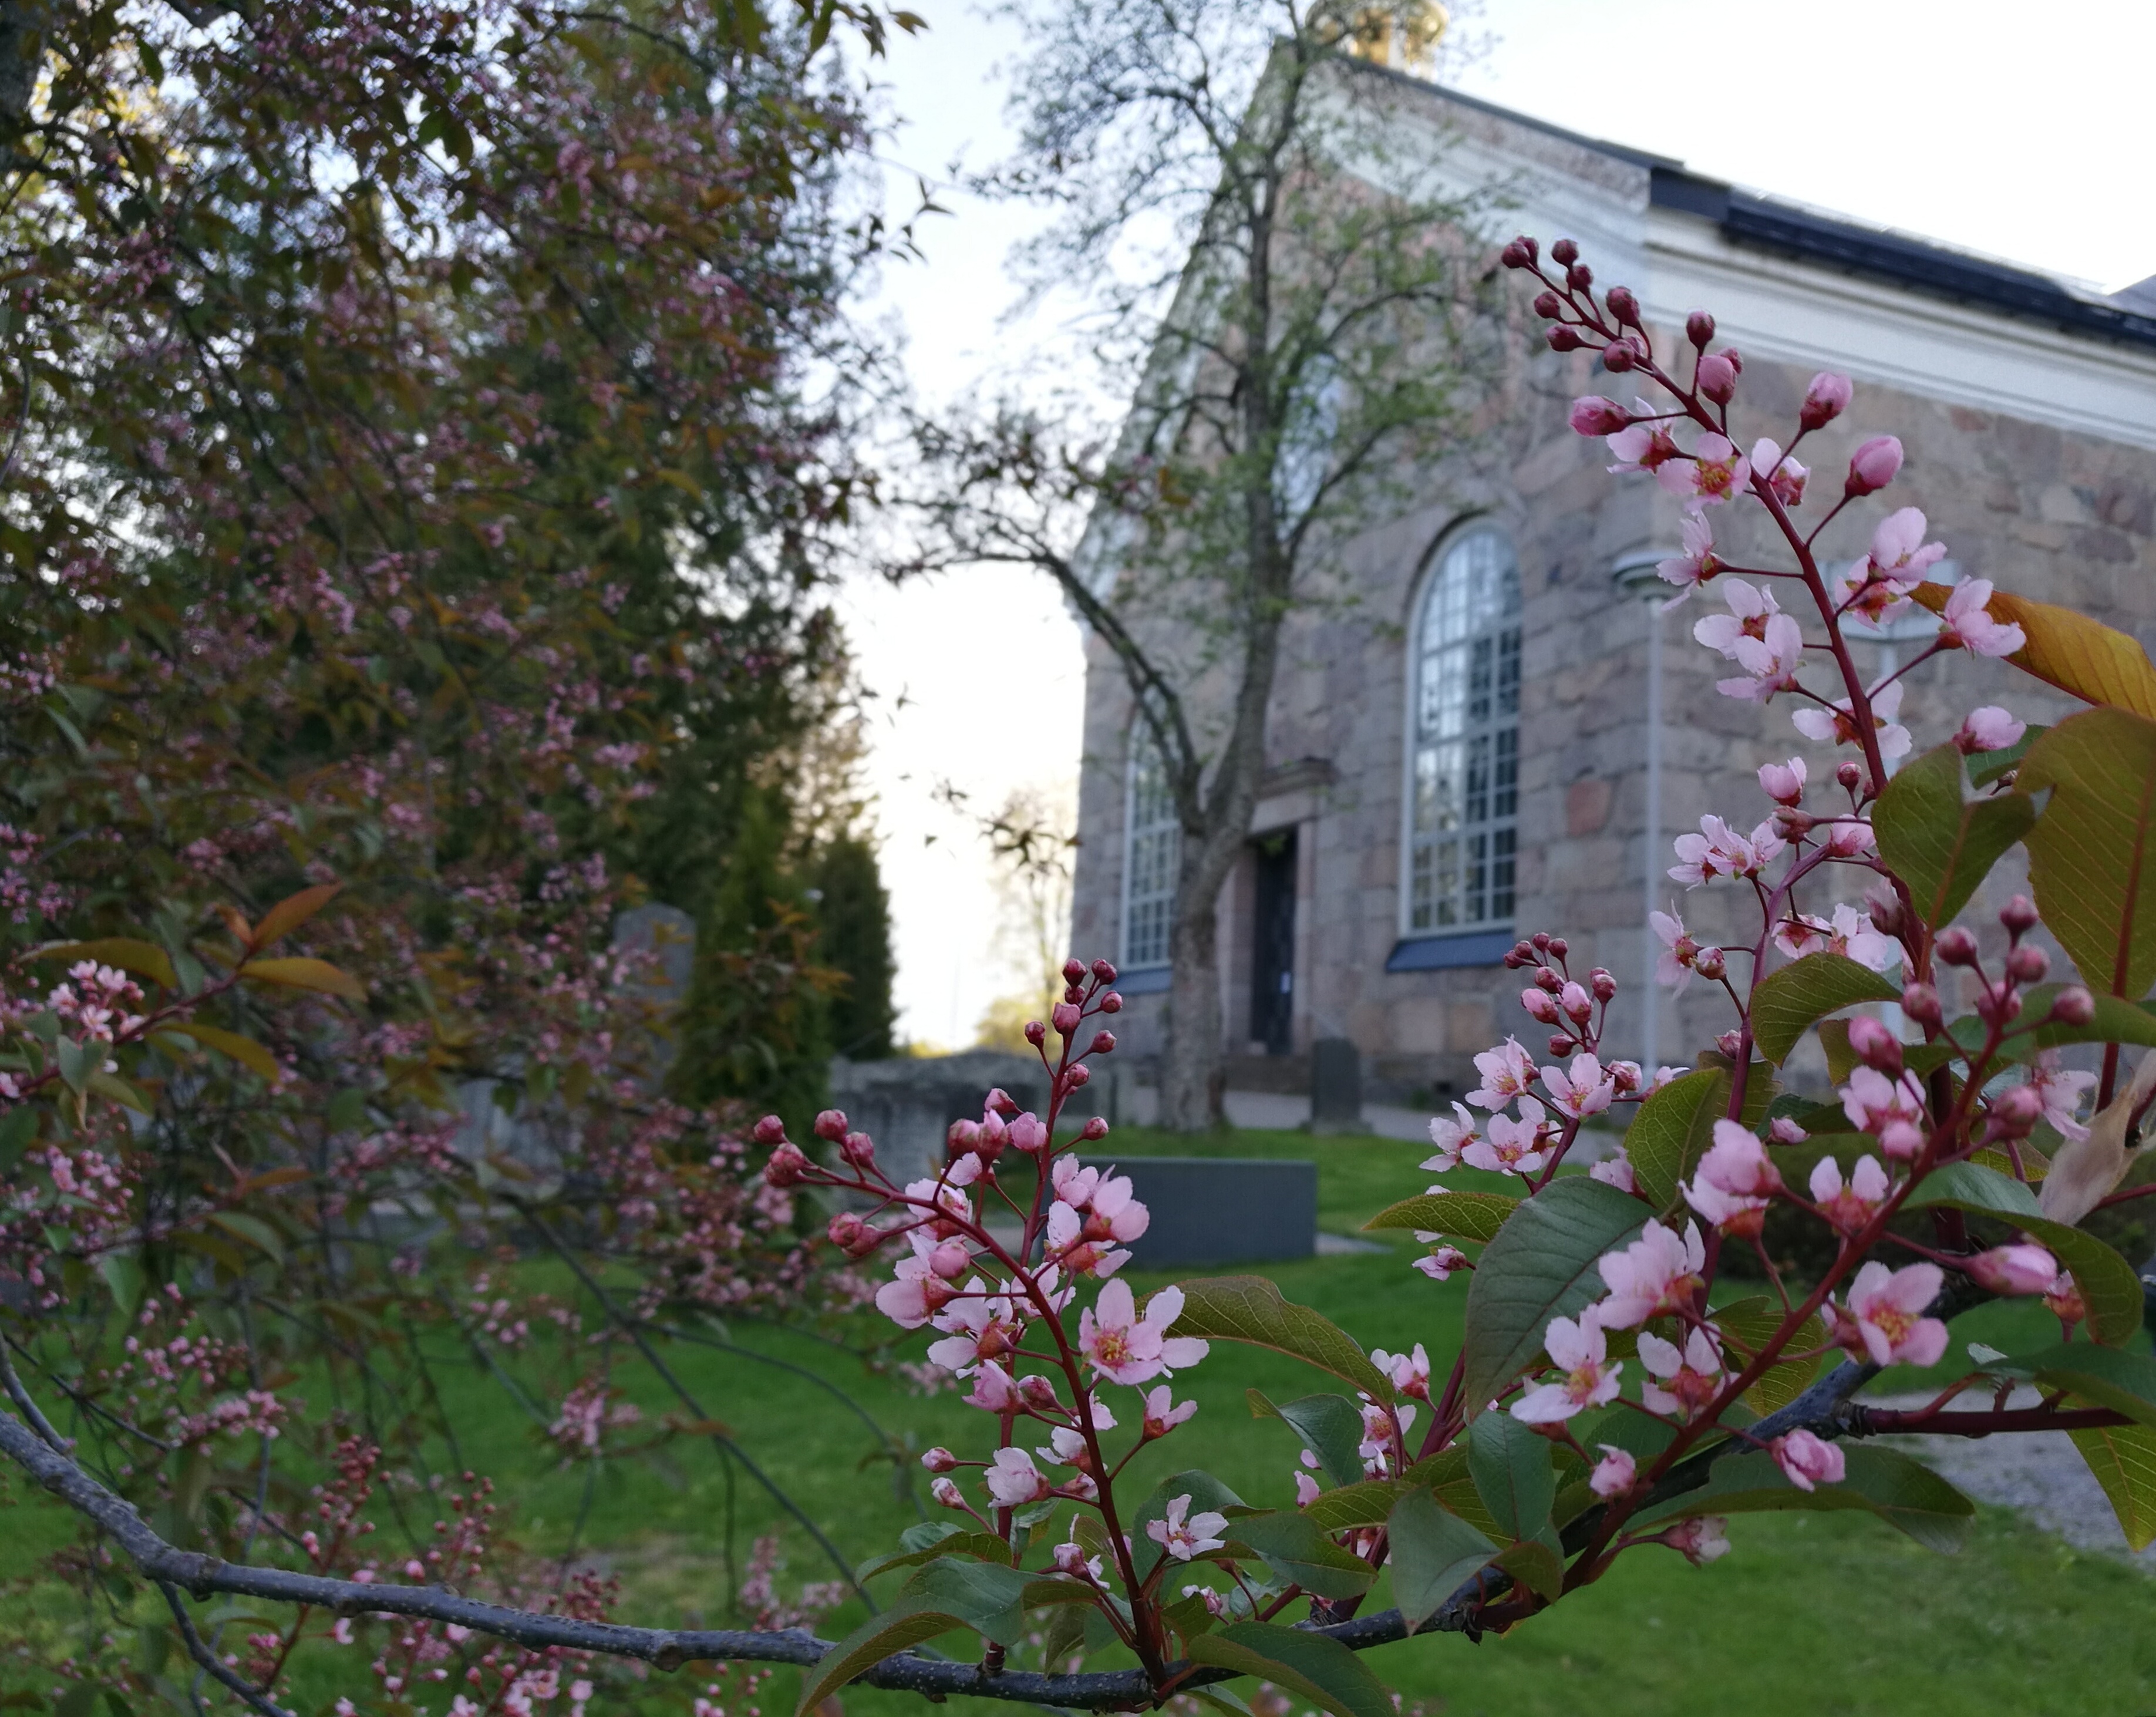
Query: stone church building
<point x="1507" y="731"/>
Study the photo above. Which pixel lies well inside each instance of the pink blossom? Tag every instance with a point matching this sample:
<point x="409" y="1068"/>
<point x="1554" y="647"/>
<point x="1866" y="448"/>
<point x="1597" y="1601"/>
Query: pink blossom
<point x="1751" y="606"/>
<point x="1784" y="475"/>
<point x="1183" y="1538"/>
<point x="1691" y="1376"/>
<point x="1697" y="563"/>
<point x="982" y="1327"/>
<point x="1305" y="1490"/>
<point x="1887" y="1307"/>
<point x="1615" y="1171"/>
<point x="1968" y="624"/>
<point x="1578" y="1349"/>
<point x="1644" y="446"/>
<point x="1850" y="1207"/>
<point x="994" y="1391"/>
<point x="1990" y="728"/>
<point x="1013" y="1481"/>
<point x="2021" y="1268"/>
<point x="1848" y="838"/>
<point x="918" y="1291"/>
<point x="1848" y="933"/>
<point x="1806" y="1460"/>
<point x="1891" y="1110"/>
<point x="1162" y="1413"/>
<point x="1836" y="726"/>
<point x="1594" y="415"/>
<point x="1680" y="953"/>
<point x="1614" y="1473"/>
<point x="1715" y="472"/>
<point x="1439" y="1265"/>
<point x="1702" y="1540"/>
<point x="2062" y="1091"/>
<point x="1513" y="1147"/>
<point x="1771" y="663"/>
<point x="1028" y="1132"/>
<point x="1783" y="783"/>
<point x="1874" y="465"/>
<point x="1825" y="399"/>
<point x="1127" y="1349"/>
<point x="1409" y="1372"/>
<point x="1719" y="851"/>
<point x="1657" y="1273"/>
<point x="1508" y="1071"/>
<point x="1877" y="587"/>
<point x="1583" y="1089"/>
<point x="1734" y="1180"/>
<point x="1452" y="1138"/>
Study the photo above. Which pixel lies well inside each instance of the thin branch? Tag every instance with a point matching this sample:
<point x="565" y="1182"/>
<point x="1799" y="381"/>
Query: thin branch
<point x="199" y="1648"/>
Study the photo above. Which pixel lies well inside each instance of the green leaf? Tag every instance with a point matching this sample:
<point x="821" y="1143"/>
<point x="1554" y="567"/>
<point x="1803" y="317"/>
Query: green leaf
<point x="1511" y="1464"/>
<point x="256" y="1232"/>
<point x="923" y="1534"/>
<point x="2123" y="1458"/>
<point x="905" y="1623"/>
<point x="1322" y="1670"/>
<point x="1249" y="1308"/>
<point x="1330" y="1426"/>
<point x="304" y="972"/>
<point x="1462" y="1215"/>
<point x="1941" y="847"/>
<point x="2115" y="1020"/>
<point x="2110" y="1286"/>
<point x="1364" y="1504"/>
<point x="1535" y="1565"/>
<point x="1672" y="1129"/>
<point x="983" y="1546"/>
<point x="1750" y="1322"/>
<point x="2066" y="649"/>
<point x="2102" y="1376"/>
<point x="249" y="1054"/>
<point x="1785" y="1003"/>
<point x="18" y="1127"/>
<point x="1541" y="1265"/>
<point x="2091" y="859"/>
<point x="1432" y="1555"/>
<point x="1902" y="1492"/>
<point x="987" y="1596"/>
<point x="1986" y="767"/>
<point x="76" y="1063"/>
<point x="1295" y="1548"/>
<point x="123" y="1274"/>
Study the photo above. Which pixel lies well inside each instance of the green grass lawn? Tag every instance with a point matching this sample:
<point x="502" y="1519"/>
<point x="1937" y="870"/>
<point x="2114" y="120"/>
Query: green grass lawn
<point x="1808" y="1614"/>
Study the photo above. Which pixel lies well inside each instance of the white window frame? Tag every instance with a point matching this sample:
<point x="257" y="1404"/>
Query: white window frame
<point x="1162" y="836"/>
<point x="1489" y="840"/>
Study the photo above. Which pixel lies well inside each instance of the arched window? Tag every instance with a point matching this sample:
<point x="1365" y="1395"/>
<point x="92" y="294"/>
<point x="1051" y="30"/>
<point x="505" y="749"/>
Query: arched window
<point x="1152" y="843"/>
<point x="1463" y="772"/>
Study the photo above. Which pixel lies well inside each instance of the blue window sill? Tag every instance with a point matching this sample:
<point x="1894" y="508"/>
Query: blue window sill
<point x="1150" y="980"/>
<point x="1438" y="953"/>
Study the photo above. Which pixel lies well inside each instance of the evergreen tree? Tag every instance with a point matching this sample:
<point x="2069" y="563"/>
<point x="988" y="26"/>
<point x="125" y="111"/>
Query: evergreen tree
<point x="853" y="913"/>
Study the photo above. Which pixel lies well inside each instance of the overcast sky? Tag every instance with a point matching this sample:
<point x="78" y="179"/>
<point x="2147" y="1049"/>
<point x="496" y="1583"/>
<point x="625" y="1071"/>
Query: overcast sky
<point x="1972" y="122"/>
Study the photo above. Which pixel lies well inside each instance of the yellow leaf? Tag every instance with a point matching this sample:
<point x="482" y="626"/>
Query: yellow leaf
<point x="298" y="972"/>
<point x="249" y="1054"/>
<point x="2069" y="650"/>
<point x="146" y="959"/>
<point x="292" y="911"/>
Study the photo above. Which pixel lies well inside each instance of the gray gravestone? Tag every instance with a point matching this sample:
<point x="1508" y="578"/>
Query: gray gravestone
<point x="1336" y="1087"/>
<point x="1221" y="1210"/>
<point x="666" y="935"/>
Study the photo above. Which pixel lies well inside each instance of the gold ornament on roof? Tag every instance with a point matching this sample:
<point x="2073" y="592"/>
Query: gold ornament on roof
<point x="1403" y="37"/>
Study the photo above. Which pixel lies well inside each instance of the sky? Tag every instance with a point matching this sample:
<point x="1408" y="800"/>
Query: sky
<point x="1962" y="120"/>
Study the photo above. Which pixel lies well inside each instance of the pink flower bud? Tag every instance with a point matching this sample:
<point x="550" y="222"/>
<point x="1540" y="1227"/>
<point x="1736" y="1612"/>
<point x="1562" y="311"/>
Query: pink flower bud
<point x="1956" y="947"/>
<point x="1073" y="971"/>
<point x="1824" y="400"/>
<point x="2014" y="1269"/>
<point x="939" y="1460"/>
<point x="1546" y="977"/>
<point x="1578" y="1004"/>
<point x="1594" y="415"/>
<point x="1921" y="1003"/>
<point x="770" y="1130"/>
<point x="1729" y="1043"/>
<point x="1874" y="465"/>
<point x="2027" y="963"/>
<point x="1717" y="378"/>
<point x="1028" y="1133"/>
<point x="858" y="1148"/>
<point x="999" y="1102"/>
<point x="831" y="1124"/>
<point x="1094" y="1130"/>
<point x="1104" y="1042"/>
<point x="1105" y="970"/>
<point x="2017" y="1108"/>
<point x="1077" y="1076"/>
<point x="1112" y="1003"/>
<point x="1603" y="985"/>
<point x="1625" y="306"/>
<point x="2073" y="1006"/>
<point x="2065" y="1302"/>
<point x="1521" y="253"/>
<point x="1564" y="252"/>
<point x="1559" y="948"/>
<point x="1070" y="1557"/>
<point x="1710" y="962"/>
<point x="1614" y="1474"/>
<point x="1806" y="1460"/>
<point x="946" y="1491"/>
<point x="1037" y="1392"/>
<point x="1036" y="1034"/>
<point x="1561" y="1044"/>
<point x="1699" y="328"/>
<point x="1783" y="783"/>
<point x="1579" y="277"/>
<point x="1990" y="728"/>
<point x="1850" y="775"/>
<point x="1540" y="1006"/>
<point x="950" y="1260"/>
<point x="1874" y="1045"/>
<point x="1066" y="1018"/>
<point x="1621" y="355"/>
<point x="2018" y="915"/>
<point x="1548" y="306"/>
<point x="1563" y="338"/>
<point x="846" y="1229"/>
<point x="964" y="1136"/>
<point x="787" y="1166"/>
<point x="1782" y="1130"/>
<point x="1902" y="1140"/>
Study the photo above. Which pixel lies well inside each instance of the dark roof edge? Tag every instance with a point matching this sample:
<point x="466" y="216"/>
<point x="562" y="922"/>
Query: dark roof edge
<point x="1909" y="263"/>
<point x="1445" y="92"/>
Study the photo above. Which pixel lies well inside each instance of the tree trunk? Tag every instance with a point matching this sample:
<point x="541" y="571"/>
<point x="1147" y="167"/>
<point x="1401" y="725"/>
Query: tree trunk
<point x="1193" y="1077"/>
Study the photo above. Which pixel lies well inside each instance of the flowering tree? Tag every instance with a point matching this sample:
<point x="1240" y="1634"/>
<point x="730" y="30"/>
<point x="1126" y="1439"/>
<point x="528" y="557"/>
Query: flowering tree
<point x="1610" y="1394"/>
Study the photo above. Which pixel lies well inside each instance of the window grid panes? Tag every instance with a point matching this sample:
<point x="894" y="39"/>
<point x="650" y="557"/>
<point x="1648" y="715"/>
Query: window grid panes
<point x="1153" y="849"/>
<point x="1463" y="799"/>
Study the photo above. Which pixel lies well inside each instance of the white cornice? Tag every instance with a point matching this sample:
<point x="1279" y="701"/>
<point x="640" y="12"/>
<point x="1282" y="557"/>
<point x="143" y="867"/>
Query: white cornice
<point x="1773" y="307"/>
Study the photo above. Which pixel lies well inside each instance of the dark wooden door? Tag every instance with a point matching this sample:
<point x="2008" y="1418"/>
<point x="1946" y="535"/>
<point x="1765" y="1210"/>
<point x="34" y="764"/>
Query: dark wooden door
<point x="1272" y="945"/>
